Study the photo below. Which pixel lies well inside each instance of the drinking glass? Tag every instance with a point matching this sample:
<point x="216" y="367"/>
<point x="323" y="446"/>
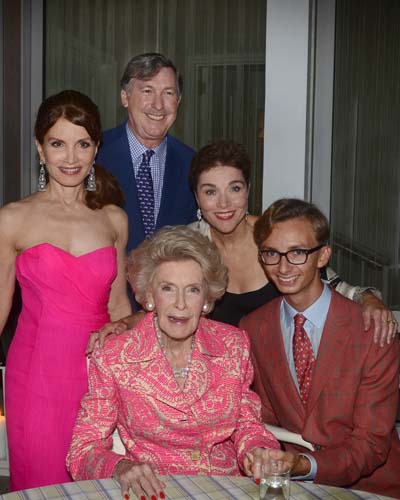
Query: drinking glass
<point x="275" y="482"/>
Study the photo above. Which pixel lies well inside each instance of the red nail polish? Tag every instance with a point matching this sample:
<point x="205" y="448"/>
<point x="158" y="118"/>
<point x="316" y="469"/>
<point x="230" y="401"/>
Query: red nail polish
<point x="257" y="481"/>
<point x="142" y="497"/>
<point x="127" y="497"/>
<point x="162" y="494"/>
<point x="153" y="497"/>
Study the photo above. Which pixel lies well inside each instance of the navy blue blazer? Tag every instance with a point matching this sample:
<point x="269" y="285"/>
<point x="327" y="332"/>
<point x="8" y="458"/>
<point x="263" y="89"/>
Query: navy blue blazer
<point x="178" y="205"/>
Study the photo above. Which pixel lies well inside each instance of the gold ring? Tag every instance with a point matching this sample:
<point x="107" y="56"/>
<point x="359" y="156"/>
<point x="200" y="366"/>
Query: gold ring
<point x="391" y="320"/>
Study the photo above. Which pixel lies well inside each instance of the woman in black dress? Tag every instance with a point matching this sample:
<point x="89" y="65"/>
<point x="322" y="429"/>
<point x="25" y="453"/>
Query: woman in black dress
<point x="220" y="179"/>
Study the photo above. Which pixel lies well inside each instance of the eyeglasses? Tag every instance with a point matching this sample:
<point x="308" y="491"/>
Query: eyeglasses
<point x="297" y="256"/>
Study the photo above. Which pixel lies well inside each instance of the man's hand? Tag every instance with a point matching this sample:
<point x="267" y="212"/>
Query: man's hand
<point x="260" y="460"/>
<point x="385" y="324"/>
<point x="141" y="478"/>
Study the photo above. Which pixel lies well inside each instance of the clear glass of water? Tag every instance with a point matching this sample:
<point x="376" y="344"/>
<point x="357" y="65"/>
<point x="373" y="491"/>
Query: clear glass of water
<point x="275" y="483"/>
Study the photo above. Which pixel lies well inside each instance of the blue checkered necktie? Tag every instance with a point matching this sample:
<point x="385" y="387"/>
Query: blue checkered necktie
<point x="145" y="191"/>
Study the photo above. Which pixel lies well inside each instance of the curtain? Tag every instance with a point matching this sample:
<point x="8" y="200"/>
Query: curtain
<point x="365" y="209"/>
<point x="218" y="46"/>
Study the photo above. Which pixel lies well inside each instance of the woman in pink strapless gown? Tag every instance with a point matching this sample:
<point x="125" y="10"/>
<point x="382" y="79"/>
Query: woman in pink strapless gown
<point x="64" y="299"/>
<point x="66" y="246"/>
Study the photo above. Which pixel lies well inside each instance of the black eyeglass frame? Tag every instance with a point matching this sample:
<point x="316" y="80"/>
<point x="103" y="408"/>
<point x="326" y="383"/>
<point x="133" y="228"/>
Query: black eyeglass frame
<point x="306" y="251"/>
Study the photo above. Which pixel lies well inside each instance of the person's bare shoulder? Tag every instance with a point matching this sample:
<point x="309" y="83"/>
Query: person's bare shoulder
<point x="117" y="217"/>
<point x="14" y="214"/>
<point x="115" y="213"/>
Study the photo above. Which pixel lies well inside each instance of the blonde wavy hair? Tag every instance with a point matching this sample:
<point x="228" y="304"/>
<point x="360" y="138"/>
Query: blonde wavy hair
<point x="172" y="244"/>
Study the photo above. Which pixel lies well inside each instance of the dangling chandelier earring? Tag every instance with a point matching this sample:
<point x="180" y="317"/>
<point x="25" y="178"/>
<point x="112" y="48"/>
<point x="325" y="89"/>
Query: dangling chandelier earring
<point x="42" y="177"/>
<point x="91" y="180"/>
<point x="199" y="214"/>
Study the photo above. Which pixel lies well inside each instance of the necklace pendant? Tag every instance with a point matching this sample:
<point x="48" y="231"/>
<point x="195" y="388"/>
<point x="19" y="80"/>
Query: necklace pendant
<point x="181" y="372"/>
<point x="178" y="372"/>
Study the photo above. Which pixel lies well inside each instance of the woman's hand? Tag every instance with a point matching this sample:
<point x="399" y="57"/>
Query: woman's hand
<point x="385" y="324"/>
<point x="116" y="327"/>
<point x="259" y="460"/>
<point x="141" y="478"/>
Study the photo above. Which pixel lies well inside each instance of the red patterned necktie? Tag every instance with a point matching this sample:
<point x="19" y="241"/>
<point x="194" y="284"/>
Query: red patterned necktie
<point x="304" y="359"/>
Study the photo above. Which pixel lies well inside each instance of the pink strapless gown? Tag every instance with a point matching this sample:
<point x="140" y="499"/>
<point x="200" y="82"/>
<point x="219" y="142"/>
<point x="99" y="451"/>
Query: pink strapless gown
<point x="64" y="298"/>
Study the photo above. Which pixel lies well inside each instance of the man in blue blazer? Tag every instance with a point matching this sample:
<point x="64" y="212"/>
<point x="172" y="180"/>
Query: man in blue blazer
<point x="151" y="92"/>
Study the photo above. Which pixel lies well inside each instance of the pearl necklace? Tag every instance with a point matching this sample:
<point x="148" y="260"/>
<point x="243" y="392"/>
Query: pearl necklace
<point x="178" y="372"/>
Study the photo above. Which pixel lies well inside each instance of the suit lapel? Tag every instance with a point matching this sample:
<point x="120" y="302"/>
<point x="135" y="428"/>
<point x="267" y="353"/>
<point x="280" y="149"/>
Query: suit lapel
<point x="126" y="178"/>
<point x="152" y="373"/>
<point x="334" y="338"/>
<point x="132" y="201"/>
<point x="153" y="369"/>
<point x="172" y="179"/>
<point x="279" y="368"/>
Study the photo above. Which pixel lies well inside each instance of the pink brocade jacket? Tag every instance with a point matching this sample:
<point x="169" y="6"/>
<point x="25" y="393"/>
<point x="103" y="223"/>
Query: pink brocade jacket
<point x="206" y="428"/>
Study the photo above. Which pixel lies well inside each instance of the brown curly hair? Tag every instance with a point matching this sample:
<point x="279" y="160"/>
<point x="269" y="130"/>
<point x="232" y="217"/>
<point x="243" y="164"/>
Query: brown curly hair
<point x="291" y="208"/>
<point x="220" y="153"/>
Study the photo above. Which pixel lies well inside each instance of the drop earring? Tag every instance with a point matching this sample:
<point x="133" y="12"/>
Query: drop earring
<point x="42" y="177"/>
<point x="91" y="180"/>
<point x="199" y="216"/>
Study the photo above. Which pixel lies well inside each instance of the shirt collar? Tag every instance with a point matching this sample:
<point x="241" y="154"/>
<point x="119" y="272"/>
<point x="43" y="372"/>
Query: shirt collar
<point x="316" y="313"/>
<point x="137" y="148"/>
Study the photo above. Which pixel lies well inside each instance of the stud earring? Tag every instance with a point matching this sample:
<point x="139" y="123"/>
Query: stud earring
<point x="42" y="177"/>
<point x="149" y="306"/>
<point x="91" y="180"/>
<point x="206" y="308"/>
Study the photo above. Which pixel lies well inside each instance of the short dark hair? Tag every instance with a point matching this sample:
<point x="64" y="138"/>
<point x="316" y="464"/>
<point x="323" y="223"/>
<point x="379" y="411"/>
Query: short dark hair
<point x="287" y="209"/>
<point x="145" y="66"/>
<point x="72" y="105"/>
<point x="217" y="154"/>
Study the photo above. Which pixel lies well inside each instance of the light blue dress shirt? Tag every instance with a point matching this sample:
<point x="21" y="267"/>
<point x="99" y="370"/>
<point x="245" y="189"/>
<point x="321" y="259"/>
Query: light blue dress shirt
<point x="314" y="326"/>
<point x="157" y="164"/>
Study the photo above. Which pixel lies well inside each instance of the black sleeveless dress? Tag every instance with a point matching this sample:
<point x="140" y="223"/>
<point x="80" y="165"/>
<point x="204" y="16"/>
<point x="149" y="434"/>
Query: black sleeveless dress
<point x="233" y="306"/>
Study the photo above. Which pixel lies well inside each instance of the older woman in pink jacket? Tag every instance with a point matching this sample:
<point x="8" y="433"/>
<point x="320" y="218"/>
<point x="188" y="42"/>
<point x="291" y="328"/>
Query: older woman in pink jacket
<point x="177" y="386"/>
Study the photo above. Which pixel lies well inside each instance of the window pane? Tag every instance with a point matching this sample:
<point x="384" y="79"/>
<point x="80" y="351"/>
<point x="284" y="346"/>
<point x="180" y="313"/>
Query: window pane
<point x="218" y="45"/>
<point x="366" y="145"/>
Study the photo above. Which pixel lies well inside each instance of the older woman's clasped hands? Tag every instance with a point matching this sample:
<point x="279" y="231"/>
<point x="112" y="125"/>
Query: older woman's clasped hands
<point x="177" y="385"/>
